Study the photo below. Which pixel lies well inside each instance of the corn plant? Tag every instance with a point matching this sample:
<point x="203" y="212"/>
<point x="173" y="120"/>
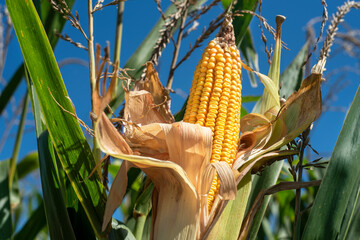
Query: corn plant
<point x="189" y="175"/>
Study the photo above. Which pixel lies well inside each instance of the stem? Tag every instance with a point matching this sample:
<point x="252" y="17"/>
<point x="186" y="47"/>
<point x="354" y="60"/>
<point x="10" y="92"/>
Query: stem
<point x="18" y="140"/>
<point x="297" y="221"/>
<point x="139" y="227"/>
<point x="118" y="38"/>
<point x="177" y="49"/>
<point x="96" y="150"/>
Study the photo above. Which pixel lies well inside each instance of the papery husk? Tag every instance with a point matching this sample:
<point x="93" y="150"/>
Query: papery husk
<point x="141" y="108"/>
<point x="177" y="194"/>
<point x="116" y="194"/>
<point x="180" y="183"/>
<point x="159" y="94"/>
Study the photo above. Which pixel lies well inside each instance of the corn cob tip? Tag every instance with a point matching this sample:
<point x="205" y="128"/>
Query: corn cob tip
<point x="226" y="32"/>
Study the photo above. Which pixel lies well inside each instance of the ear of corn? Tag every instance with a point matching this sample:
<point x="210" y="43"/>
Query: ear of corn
<point x="215" y="100"/>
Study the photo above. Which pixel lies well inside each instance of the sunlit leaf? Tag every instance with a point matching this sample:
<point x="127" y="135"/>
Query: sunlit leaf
<point x="250" y="56"/>
<point x="52" y="21"/>
<point x="53" y="199"/>
<point x="27" y="165"/>
<point x="241" y="24"/>
<point x="291" y="77"/>
<point x="64" y="130"/>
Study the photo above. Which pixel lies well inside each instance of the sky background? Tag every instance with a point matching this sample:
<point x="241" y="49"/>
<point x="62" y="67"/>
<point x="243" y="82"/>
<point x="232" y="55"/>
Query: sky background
<point x="139" y="18"/>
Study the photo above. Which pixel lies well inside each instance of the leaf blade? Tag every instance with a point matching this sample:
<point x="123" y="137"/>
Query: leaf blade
<point x="5" y="211"/>
<point x="33" y="226"/>
<point x="329" y="209"/>
<point x="51" y="20"/>
<point x="70" y="144"/>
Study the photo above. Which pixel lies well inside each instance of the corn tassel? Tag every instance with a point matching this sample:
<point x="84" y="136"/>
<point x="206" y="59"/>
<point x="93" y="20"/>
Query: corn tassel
<point x="215" y="98"/>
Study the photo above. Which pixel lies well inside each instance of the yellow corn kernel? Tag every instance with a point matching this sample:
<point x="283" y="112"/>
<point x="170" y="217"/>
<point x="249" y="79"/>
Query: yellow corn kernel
<point x="215" y="102"/>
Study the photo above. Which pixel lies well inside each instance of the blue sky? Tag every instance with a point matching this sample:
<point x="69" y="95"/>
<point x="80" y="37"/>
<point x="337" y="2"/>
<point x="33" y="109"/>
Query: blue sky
<point x="141" y="15"/>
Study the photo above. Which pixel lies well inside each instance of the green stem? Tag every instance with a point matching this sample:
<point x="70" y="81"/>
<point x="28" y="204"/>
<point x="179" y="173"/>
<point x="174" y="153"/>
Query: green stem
<point x="96" y="150"/>
<point x="139" y="227"/>
<point x="118" y="38"/>
<point x="18" y="140"/>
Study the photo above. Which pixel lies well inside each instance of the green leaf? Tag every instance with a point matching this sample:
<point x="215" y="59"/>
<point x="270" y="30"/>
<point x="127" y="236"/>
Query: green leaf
<point x="267" y="179"/>
<point x="53" y="199"/>
<point x="335" y="204"/>
<point x="226" y="3"/>
<point x="5" y="212"/>
<point x="247" y="99"/>
<point x="249" y="54"/>
<point x="137" y="61"/>
<point x="233" y="214"/>
<point x="70" y="144"/>
<point x="18" y="140"/>
<point x="120" y="231"/>
<point x="354" y="227"/>
<point x="27" y="165"/>
<point x="34" y="225"/>
<point x="52" y="20"/>
<point x="143" y="203"/>
<point x="142" y="208"/>
<point x="241" y="24"/>
<point x="11" y="87"/>
<point x="243" y="111"/>
<point x="271" y="99"/>
<point x="180" y="114"/>
<point x="293" y="77"/>
<point x="290" y="79"/>
<point x="79" y="222"/>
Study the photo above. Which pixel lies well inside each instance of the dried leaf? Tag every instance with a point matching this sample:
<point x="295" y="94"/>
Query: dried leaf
<point x="109" y="136"/>
<point x="227" y="189"/>
<point x="160" y="95"/>
<point x="178" y="182"/>
<point x="259" y="125"/>
<point x="148" y="140"/>
<point x="100" y="102"/>
<point x="116" y="193"/>
<point x="141" y="109"/>
<point x="189" y="146"/>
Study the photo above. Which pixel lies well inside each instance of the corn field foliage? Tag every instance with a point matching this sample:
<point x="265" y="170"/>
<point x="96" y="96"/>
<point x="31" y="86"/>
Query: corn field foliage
<point x="154" y="168"/>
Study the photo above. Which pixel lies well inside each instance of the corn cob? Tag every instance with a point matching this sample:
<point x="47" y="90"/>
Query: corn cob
<point x="215" y="98"/>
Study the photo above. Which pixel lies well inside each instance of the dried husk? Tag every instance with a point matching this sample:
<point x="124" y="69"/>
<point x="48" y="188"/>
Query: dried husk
<point x="176" y="157"/>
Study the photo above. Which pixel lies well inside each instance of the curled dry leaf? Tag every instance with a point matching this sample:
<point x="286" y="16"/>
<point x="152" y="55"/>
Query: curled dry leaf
<point x="141" y="109"/>
<point x="160" y="95"/>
